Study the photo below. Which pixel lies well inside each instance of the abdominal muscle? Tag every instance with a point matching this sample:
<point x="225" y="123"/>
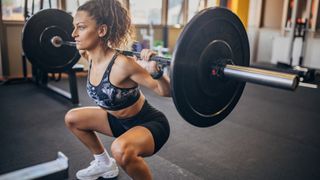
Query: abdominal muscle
<point x="129" y="111"/>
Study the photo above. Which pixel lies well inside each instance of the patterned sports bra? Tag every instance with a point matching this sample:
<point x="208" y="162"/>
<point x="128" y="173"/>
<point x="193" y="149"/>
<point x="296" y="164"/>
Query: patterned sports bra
<point x="109" y="96"/>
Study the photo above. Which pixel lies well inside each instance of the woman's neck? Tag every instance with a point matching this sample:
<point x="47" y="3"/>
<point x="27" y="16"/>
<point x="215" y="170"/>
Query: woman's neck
<point x="100" y="54"/>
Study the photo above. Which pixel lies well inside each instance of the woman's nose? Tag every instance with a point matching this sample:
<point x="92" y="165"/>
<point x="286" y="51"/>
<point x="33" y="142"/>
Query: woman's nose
<point x="74" y="33"/>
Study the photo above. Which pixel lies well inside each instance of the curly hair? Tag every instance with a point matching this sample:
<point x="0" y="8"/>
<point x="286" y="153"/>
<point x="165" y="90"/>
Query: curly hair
<point x="115" y="16"/>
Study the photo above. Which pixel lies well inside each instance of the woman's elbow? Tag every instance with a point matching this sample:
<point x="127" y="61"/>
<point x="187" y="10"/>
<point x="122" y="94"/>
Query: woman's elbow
<point x="165" y="93"/>
<point x="168" y="94"/>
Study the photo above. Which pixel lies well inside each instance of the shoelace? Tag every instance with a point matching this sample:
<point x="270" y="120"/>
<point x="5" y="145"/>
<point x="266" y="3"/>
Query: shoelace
<point x="93" y="161"/>
<point x="93" y="165"/>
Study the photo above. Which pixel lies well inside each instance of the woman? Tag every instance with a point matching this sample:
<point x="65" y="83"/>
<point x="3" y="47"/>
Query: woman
<point x="101" y="26"/>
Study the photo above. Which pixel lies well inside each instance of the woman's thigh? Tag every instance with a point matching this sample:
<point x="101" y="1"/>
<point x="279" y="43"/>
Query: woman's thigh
<point x="90" y="118"/>
<point x="140" y="138"/>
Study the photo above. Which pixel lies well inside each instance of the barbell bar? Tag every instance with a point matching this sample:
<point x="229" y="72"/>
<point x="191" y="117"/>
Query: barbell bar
<point x="208" y="69"/>
<point x="222" y="70"/>
<point x="57" y="42"/>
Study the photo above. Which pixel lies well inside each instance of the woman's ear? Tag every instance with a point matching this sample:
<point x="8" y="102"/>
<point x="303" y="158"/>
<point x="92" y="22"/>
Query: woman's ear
<point x="103" y="29"/>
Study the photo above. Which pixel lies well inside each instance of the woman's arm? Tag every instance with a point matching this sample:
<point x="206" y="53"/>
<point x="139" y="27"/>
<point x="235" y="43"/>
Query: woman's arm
<point x="140" y="71"/>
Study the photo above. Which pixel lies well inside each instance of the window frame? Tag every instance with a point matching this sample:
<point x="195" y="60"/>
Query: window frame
<point x="61" y="4"/>
<point x="19" y="21"/>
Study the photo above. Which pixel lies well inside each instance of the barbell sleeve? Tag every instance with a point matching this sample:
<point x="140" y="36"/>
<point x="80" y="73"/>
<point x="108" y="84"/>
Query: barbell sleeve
<point x="57" y="41"/>
<point x="263" y="77"/>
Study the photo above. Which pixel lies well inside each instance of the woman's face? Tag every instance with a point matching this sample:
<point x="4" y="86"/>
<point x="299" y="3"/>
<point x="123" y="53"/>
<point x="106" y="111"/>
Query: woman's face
<point x="86" y="32"/>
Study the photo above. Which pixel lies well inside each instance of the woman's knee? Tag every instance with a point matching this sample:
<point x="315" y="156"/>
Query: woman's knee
<point x="123" y="152"/>
<point x="71" y="118"/>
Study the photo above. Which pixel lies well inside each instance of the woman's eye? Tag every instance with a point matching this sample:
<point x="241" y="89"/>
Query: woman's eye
<point x="81" y="27"/>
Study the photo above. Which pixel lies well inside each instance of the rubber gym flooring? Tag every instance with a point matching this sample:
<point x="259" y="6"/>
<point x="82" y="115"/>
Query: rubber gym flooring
<point x="271" y="134"/>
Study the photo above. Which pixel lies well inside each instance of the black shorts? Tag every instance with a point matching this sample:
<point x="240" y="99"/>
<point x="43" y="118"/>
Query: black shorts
<point x="148" y="117"/>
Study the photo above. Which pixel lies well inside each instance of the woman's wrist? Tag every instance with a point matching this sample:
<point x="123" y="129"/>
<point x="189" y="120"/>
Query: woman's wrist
<point x="157" y="74"/>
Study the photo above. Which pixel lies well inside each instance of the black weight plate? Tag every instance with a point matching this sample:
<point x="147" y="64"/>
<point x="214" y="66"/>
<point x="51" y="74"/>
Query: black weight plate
<point x="36" y="40"/>
<point x="212" y="35"/>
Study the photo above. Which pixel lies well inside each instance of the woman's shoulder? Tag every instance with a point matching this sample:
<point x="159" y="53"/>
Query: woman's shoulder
<point x="124" y="61"/>
<point x="124" y="64"/>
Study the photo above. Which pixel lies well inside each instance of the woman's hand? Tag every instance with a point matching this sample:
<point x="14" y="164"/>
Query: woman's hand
<point x="150" y="66"/>
<point x="157" y="81"/>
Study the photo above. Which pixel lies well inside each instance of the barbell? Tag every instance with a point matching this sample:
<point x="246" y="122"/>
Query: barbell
<point x="208" y="70"/>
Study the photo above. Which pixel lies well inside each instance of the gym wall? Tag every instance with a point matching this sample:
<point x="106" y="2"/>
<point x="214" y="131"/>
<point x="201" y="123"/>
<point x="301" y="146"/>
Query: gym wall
<point x="269" y="43"/>
<point x="272" y="14"/>
<point x="13" y="49"/>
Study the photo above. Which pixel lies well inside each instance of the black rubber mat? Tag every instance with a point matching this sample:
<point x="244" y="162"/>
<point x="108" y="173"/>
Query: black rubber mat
<point x="271" y="134"/>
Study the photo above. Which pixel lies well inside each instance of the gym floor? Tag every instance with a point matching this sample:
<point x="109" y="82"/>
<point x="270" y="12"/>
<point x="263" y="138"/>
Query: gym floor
<point x="271" y="134"/>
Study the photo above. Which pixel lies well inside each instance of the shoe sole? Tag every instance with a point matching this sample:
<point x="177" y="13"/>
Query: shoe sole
<point x="112" y="174"/>
<point x="108" y="175"/>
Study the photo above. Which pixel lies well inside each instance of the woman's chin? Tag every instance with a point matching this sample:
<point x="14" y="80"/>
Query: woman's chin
<point x="80" y="47"/>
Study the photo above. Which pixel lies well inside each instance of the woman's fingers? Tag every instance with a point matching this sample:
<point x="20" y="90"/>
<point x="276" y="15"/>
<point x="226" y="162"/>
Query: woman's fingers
<point x="146" y="54"/>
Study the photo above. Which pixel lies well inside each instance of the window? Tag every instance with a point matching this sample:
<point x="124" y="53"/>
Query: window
<point x="13" y="10"/>
<point x="72" y="6"/>
<point x="175" y="12"/>
<point x="146" y="12"/>
<point x="211" y="3"/>
<point x="194" y="7"/>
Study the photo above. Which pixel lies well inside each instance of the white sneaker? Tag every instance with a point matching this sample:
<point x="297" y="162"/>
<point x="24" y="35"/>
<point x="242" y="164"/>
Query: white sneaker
<point x="98" y="169"/>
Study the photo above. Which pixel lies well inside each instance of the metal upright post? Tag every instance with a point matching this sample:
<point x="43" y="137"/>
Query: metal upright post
<point x="305" y="34"/>
<point x="292" y="30"/>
